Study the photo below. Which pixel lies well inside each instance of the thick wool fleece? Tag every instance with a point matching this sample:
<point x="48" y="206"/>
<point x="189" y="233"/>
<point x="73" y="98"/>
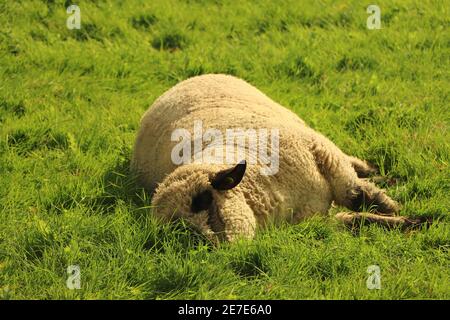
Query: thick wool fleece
<point x="312" y="173"/>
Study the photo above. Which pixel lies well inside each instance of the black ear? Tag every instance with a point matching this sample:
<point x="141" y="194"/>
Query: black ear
<point x="229" y="178"/>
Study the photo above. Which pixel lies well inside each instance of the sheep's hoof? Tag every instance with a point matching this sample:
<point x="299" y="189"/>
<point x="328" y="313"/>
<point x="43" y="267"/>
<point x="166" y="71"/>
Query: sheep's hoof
<point x="418" y="223"/>
<point x="387" y="181"/>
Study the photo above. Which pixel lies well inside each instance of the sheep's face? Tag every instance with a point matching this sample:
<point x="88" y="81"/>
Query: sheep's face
<point x="206" y="198"/>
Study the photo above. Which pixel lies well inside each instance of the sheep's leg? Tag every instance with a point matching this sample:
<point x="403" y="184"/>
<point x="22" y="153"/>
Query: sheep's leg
<point x="349" y="190"/>
<point x="363" y="169"/>
<point x="366" y="196"/>
<point x="356" y="219"/>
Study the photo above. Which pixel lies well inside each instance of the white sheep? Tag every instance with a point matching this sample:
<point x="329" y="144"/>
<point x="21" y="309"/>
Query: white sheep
<point x="230" y="201"/>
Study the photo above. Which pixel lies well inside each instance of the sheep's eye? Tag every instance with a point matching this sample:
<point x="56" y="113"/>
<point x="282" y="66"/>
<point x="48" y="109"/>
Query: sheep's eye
<point x="201" y="201"/>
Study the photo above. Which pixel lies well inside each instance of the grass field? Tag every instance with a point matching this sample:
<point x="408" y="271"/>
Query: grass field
<point x="70" y="104"/>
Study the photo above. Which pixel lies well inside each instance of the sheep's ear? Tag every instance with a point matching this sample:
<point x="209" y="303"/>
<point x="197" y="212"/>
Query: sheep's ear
<point x="229" y="178"/>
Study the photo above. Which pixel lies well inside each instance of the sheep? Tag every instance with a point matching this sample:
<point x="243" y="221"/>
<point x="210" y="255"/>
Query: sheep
<point x="226" y="202"/>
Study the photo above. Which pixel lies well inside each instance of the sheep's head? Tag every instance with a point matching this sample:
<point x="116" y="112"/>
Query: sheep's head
<point x="207" y="197"/>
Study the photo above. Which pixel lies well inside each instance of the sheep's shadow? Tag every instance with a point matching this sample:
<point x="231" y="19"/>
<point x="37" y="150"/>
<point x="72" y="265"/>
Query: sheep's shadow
<point x="120" y="187"/>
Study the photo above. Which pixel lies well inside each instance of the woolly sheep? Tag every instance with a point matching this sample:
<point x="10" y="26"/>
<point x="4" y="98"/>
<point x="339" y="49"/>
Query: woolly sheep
<point x="229" y="201"/>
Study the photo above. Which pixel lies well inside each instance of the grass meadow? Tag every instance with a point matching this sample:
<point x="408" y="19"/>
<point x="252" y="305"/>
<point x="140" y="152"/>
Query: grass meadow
<point x="70" y="105"/>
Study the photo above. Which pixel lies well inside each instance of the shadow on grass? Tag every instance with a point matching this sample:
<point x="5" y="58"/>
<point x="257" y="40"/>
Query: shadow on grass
<point x="117" y="187"/>
<point x="121" y="189"/>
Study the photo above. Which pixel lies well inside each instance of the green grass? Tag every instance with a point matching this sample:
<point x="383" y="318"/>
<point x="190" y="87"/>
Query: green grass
<point x="70" y="104"/>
